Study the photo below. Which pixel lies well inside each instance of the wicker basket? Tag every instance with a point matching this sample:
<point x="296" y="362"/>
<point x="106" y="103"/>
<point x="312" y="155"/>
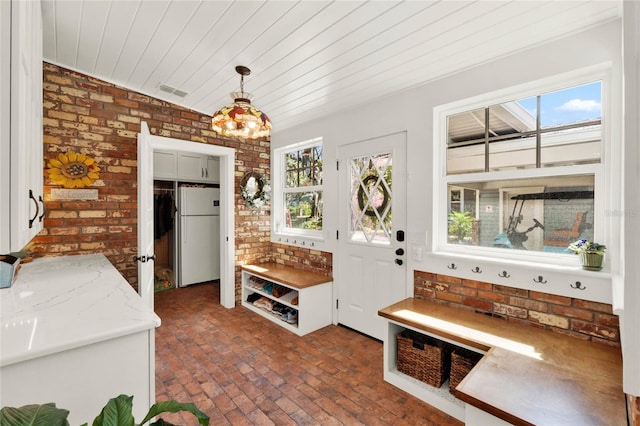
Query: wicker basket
<point x="462" y="361"/>
<point x="423" y="357"/>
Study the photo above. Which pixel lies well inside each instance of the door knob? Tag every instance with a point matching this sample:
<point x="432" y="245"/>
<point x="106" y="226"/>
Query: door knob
<point x="399" y="261"/>
<point x="400" y="252"/>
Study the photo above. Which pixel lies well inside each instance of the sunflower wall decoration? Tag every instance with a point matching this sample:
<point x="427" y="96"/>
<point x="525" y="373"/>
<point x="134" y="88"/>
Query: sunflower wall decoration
<point x="73" y="170"/>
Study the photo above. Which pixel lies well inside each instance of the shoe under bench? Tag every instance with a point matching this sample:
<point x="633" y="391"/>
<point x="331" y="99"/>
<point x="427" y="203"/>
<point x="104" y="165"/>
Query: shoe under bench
<point x="306" y="301"/>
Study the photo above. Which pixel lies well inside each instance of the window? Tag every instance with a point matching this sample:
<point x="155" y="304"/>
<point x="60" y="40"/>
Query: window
<point x="523" y="174"/>
<point x="299" y="209"/>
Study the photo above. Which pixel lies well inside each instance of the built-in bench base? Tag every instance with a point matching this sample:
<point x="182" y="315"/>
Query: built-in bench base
<point x="303" y="298"/>
<point x="527" y="376"/>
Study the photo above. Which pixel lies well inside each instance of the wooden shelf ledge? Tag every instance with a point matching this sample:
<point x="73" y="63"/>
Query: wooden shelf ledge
<point x="528" y="375"/>
<point x="288" y="275"/>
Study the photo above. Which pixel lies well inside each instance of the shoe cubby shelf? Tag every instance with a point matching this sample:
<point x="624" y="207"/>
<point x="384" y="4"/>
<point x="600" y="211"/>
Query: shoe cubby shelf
<point x="306" y="303"/>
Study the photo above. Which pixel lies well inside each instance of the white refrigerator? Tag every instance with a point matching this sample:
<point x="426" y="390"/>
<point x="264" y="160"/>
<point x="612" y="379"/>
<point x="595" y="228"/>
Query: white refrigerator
<point x="199" y="218"/>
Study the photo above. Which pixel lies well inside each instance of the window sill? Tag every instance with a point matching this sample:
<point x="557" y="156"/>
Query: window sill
<point x="567" y="279"/>
<point x="567" y="264"/>
<point x="298" y="240"/>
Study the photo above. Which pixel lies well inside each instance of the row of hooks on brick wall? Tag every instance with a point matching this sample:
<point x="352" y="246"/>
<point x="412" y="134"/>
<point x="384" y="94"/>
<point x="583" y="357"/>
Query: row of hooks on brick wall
<point x="504" y="274"/>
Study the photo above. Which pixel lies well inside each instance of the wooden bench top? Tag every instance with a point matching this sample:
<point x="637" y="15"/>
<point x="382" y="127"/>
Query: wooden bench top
<point x="288" y="275"/>
<point x="529" y="375"/>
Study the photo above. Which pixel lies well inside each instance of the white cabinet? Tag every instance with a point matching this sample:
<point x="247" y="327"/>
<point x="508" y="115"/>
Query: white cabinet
<point x="212" y="169"/>
<point x="21" y="191"/>
<point x="74" y="332"/>
<point x="185" y="166"/>
<point x="304" y="305"/>
<point x="91" y="375"/>
<point x="165" y="165"/>
<point x="198" y="167"/>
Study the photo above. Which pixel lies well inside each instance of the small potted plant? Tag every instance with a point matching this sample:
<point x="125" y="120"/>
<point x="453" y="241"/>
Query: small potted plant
<point x="591" y="254"/>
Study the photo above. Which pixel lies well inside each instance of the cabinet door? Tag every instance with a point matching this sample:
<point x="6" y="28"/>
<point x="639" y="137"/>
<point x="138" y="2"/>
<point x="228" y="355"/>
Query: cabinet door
<point x="164" y="165"/>
<point x="26" y="145"/>
<point x="190" y="166"/>
<point x="212" y="169"/>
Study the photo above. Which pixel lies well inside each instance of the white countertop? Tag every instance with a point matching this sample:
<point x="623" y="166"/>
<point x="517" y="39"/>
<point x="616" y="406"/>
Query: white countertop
<point x="60" y="303"/>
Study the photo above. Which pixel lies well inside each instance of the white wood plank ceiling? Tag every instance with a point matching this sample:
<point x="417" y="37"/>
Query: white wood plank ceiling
<point x="308" y="58"/>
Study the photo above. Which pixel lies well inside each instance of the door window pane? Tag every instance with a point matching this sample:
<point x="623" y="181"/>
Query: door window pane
<point x="371" y="196"/>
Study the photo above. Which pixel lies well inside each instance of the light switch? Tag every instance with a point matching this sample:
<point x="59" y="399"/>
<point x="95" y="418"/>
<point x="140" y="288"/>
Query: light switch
<point x="416" y="253"/>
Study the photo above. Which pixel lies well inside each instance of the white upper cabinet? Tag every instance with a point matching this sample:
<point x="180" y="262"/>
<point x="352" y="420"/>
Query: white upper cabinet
<point x="198" y="167"/>
<point x="21" y="191"/>
<point x="185" y="166"/>
<point x="164" y="165"/>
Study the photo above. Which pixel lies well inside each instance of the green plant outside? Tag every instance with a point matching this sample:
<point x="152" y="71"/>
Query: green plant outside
<point x="460" y="225"/>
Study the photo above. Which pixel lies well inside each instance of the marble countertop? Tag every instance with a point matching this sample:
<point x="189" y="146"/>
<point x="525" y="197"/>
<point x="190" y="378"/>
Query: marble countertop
<point x="61" y="303"/>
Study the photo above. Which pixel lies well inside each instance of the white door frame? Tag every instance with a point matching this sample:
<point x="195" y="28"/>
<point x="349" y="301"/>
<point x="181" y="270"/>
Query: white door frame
<point x="227" y="214"/>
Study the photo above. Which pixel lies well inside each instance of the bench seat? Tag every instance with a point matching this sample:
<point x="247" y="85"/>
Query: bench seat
<point x="528" y="375"/>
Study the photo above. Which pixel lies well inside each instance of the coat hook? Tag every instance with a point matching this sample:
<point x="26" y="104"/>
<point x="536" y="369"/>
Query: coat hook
<point x="578" y="285"/>
<point x="540" y="280"/>
<point x="477" y="270"/>
<point x="504" y="275"/>
<point x="452" y="266"/>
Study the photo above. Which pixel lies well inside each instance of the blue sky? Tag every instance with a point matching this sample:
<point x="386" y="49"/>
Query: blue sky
<point x="568" y="106"/>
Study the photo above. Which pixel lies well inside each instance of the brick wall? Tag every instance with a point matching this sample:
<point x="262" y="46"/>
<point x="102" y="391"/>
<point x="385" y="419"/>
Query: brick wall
<point x="310" y="260"/>
<point x="87" y="115"/>
<point x="574" y="317"/>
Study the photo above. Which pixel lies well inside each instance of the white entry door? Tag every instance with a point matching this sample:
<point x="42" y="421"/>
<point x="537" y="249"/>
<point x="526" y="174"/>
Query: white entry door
<point x="371" y="240"/>
<point x="145" y="216"/>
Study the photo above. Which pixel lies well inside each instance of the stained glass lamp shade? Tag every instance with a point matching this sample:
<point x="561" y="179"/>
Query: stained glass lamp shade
<point x="241" y="119"/>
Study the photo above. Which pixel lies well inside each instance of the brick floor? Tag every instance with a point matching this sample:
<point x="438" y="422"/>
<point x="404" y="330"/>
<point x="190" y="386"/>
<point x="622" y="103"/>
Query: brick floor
<point x="241" y="369"/>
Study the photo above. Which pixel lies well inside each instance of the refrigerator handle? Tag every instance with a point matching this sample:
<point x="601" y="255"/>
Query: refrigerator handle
<point x="183" y="229"/>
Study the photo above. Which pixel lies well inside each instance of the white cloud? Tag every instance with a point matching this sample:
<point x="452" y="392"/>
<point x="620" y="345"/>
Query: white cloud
<point x="580" y="105"/>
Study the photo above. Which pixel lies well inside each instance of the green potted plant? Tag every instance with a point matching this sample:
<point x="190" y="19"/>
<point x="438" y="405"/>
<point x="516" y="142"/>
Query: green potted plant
<point x="591" y="254"/>
<point x="117" y="412"/>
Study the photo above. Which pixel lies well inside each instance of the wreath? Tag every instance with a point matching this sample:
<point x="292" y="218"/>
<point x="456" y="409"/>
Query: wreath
<point x="73" y="170"/>
<point x="368" y="208"/>
<point x="256" y="190"/>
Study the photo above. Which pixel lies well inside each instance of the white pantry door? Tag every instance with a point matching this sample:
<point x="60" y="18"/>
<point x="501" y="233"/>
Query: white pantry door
<point x="145" y="216"/>
<point x="372" y="210"/>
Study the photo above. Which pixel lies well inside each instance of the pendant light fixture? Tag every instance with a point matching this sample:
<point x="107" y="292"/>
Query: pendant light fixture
<point x="241" y="119"/>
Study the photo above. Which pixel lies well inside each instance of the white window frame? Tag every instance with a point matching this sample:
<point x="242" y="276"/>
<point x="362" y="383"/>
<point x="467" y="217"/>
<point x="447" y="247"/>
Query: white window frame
<point x="601" y="171"/>
<point x="282" y="234"/>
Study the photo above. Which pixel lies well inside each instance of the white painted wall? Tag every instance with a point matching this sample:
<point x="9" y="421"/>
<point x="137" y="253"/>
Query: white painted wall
<point x="631" y="217"/>
<point x="412" y="111"/>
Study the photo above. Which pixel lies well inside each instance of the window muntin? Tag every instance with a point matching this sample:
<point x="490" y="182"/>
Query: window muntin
<point x="302" y="189"/>
<point x="534" y="158"/>
<point x="303" y="167"/>
<point x="565" y="130"/>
